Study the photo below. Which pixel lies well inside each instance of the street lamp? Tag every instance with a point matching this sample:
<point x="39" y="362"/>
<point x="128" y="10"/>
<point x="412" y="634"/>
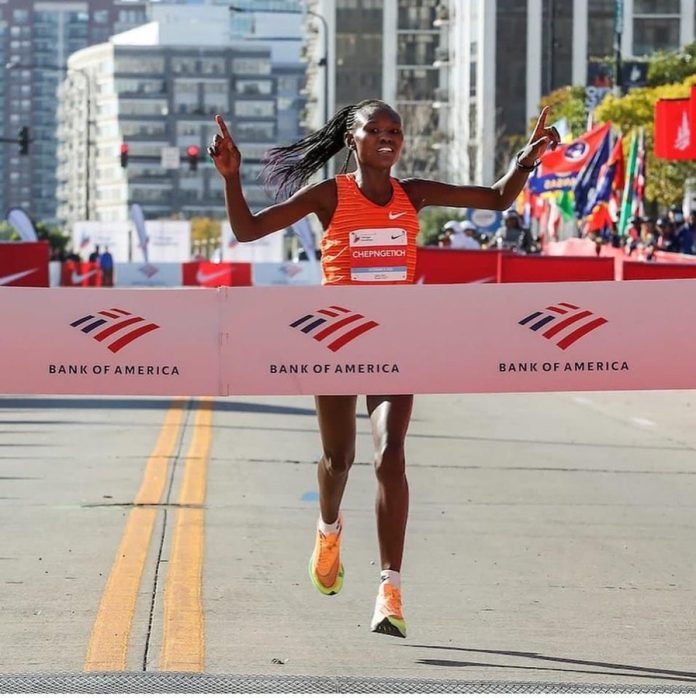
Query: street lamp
<point x="323" y="61"/>
<point x="68" y="72"/>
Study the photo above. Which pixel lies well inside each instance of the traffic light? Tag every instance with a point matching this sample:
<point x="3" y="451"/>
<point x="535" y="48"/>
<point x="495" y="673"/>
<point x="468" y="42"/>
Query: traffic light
<point x="192" y="153"/>
<point x="23" y="140"/>
<point x="124" y="154"/>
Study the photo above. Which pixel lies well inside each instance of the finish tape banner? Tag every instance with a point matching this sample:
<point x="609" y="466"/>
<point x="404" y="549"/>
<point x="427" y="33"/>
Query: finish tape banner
<point x="473" y="338"/>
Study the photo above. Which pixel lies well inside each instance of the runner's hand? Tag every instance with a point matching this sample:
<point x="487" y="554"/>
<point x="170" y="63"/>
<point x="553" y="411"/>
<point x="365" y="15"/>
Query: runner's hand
<point x="542" y="137"/>
<point x="223" y="150"/>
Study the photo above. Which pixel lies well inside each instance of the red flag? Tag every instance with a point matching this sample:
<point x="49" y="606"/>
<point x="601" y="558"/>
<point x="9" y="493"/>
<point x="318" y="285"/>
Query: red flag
<point x="675" y="135"/>
<point x="572" y="157"/>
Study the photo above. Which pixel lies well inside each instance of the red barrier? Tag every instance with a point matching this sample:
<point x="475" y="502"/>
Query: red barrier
<point x="24" y="263"/>
<point x="212" y="274"/>
<point x="633" y="271"/>
<point x="674" y="257"/>
<point x="523" y="269"/>
<point x="85" y="274"/>
<point x="436" y="265"/>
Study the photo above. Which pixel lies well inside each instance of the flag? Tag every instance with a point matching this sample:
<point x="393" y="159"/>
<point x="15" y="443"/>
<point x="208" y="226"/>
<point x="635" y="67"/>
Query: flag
<point x="565" y="205"/>
<point x="586" y="182"/>
<point x="675" y="129"/>
<point x="627" y="197"/>
<point x="609" y="188"/>
<point x="559" y="168"/>
<point x="139" y="222"/>
<point x="19" y="219"/>
<point x="637" y="207"/>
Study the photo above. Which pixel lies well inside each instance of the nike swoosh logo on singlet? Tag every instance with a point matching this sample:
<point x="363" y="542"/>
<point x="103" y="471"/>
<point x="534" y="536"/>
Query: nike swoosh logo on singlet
<point x="394" y="216"/>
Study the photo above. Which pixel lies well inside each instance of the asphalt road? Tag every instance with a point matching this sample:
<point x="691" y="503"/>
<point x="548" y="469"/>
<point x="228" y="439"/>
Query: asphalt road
<point x="551" y="539"/>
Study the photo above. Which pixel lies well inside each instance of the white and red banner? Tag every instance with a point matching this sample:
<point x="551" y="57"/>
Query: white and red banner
<point x="342" y="340"/>
<point x="675" y="129"/>
<point x="87" y="235"/>
<point x="270" y="248"/>
<point x="148" y="275"/>
<point x="24" y="264"/>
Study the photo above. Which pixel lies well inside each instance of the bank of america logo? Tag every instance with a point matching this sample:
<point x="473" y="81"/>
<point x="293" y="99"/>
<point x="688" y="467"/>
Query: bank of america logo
<point x="116" y="327"/>
<point x="335" y="325"/>
<point x="564" y="323"/>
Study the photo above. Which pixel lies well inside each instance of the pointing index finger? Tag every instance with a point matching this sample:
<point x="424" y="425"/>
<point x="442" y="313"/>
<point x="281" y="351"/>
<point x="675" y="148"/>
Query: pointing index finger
<point x="223" y="126"/>
<point x="542" y="120"/>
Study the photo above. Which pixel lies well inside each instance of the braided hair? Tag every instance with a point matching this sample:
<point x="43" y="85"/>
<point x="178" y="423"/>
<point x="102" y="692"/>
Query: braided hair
<point x="288" y="167"/>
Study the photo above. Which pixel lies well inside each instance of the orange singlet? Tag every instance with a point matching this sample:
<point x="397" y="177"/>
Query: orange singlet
<point x="366" y="243"/>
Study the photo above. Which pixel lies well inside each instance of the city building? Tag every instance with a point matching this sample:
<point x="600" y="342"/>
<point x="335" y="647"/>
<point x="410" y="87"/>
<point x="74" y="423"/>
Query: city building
<point x="155" y="91"/>
<point x="504" y="55"/>
<point x="384" y="49"/>
<point x="36" y="38"/>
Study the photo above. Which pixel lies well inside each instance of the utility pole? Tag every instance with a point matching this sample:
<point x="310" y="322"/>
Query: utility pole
<point x="618" y="30"/>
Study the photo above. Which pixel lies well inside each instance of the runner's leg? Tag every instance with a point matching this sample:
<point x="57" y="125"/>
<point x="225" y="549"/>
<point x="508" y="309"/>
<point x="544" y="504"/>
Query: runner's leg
<point x="390" y="416"/>
<point x="336" y="416"/>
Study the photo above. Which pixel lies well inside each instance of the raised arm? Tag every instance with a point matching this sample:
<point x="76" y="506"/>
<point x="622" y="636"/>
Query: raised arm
<point x="498" y="196"/>
<point x="246" y="225"/>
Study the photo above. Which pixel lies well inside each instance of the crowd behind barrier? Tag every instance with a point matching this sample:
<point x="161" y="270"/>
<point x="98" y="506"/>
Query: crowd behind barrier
<point x="575" y="259"/>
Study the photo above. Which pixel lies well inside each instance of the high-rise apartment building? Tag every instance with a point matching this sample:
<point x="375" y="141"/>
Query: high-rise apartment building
<point x="506" y="54"/>
<point x="36" y="38"/>
<point x="158" y="88"/>
<point x="384" y="49"/>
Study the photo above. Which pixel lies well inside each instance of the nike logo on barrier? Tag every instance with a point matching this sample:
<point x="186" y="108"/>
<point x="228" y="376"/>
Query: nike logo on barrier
<point x="76" y="279"/>
<point x="393" y="216"/>
<point x="202" y="278"/>
<point x="5" y="280"/>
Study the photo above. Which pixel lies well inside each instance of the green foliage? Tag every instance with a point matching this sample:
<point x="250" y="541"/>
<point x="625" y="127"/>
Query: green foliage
<point x="670" y="76"/>
<point x="673" y="66"/>
<point x="7" y="232"/>
<point x="432" y="220"/>
<point x="569" y="103"/>
<point x="203" y="229"/>
<point x="665" y="178"/>
<point x="56" y="239"/>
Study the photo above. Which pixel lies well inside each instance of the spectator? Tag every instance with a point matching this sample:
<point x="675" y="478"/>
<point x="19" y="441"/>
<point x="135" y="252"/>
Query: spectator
<point x="451" y="232"/>
<point x="94" y="256"/>
<point x="106" y="262"/>
<point x="666" y="240"/>
<point x="511" y="236"/>
<point x="686" y="234"/>
<point x="633" y="234"/>
<point x="468" y="237"/>
<point x="676" y="217"/>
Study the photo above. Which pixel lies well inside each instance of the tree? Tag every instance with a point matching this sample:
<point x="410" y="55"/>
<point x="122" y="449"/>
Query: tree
<point x="670" y="75"/>
<point x="565" y="103"/>
<point x="665" y="179"/>
<point x="432" y="221"/>
<point x="205" y="235"/>
<point x="672" y="66"/>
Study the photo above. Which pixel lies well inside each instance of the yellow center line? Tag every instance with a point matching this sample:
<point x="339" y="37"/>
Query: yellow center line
<point x="108" y="644"/>
<point x="183" y="642"/>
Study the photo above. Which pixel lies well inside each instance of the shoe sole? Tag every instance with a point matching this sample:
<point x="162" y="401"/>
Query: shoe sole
<point x="327" y="591"/>
<point x="388" y="627"/>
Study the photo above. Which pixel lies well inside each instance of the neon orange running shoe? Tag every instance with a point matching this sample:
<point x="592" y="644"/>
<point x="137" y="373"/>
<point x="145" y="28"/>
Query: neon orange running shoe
<point x="325" y="568"/>
<point x="388" y="618"/>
